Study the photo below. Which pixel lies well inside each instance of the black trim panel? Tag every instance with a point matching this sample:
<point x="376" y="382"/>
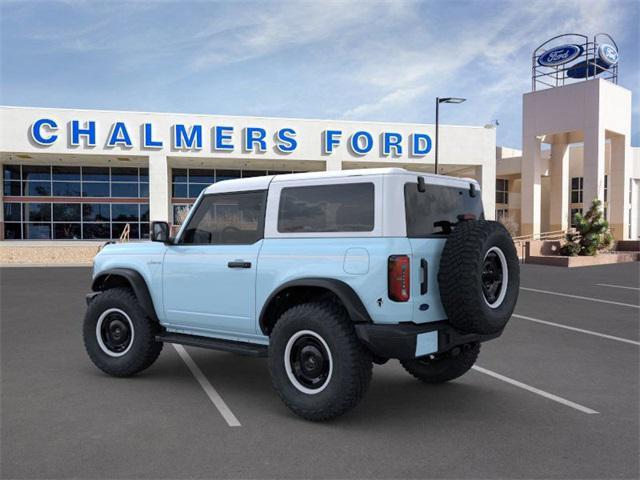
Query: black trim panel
<point x="134" y="279"/>
<point x="399" y="341"/>
<point x="242" y="348"/>
<point x="349" y="298"/>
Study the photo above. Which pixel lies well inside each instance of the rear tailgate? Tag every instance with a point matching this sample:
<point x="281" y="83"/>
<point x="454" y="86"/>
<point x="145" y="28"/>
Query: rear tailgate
<point x="430" y="215"/>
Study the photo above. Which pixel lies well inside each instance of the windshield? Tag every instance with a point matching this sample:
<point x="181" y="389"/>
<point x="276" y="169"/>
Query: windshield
<point x="434" y="211"/>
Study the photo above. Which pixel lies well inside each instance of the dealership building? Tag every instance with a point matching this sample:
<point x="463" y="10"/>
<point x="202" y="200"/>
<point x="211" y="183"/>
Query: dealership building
<point x="86" y="174"/>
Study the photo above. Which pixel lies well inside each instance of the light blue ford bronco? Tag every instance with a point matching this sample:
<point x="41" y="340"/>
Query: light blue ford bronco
<point x="323" y="273"/>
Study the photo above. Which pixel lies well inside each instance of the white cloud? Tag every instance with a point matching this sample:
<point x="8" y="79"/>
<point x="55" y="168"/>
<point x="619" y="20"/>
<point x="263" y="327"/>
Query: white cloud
<point x="362" y="60"/>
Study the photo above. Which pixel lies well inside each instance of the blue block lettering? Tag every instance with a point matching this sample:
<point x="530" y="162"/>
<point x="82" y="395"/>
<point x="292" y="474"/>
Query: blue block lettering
<point x="222" y="136"/>
<point x="38" y="136"/>
<point x="89" y="132"/>
<point x="392" y="141"/>
<point x="286" y="140"/>
<point x="356" y="144"/>
<point x="331" y="140"/>
<point x="147" y="137"/>
<point x="187" y="139"/>
<point x="119" y="136"/>
<point x="255" y="136"/>
<point x="421" y="144"/>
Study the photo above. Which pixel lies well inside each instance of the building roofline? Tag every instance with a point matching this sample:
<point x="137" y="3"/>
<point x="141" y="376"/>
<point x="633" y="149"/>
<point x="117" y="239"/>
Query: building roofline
<point x="20" y="107"/>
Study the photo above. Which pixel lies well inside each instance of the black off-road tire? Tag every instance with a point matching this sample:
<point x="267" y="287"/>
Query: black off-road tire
<point x="460" y="277"/>
<point x="143" y="350"/>
<point x="351" y="362"/>
<point x="443" y="368"/>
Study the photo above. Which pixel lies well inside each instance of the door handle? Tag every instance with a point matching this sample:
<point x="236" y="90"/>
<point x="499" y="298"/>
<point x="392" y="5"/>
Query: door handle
<point x="424" y="281"/>
<point x="239" y="264"/>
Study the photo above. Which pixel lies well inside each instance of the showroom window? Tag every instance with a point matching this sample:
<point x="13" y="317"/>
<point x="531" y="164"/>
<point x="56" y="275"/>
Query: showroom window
<point x="502" y="214"/>
<point x="74" y="221"/>
<point x="63" y="181"/>
<point x="502" y="190"/>
<point x="576" y="189"/>
<point x="187" y="183"/>
<point x="78" y="202"/>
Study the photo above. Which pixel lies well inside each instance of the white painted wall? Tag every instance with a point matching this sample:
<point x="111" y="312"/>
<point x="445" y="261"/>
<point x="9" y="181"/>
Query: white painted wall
<point x="459" y="145"/>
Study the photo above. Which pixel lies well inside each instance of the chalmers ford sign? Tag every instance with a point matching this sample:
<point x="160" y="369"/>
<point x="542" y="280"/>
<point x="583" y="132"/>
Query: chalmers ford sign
<point x="46" y="132"/>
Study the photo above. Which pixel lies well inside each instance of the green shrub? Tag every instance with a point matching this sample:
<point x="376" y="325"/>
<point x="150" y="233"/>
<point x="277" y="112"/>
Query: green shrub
<point x="592" y="233"/>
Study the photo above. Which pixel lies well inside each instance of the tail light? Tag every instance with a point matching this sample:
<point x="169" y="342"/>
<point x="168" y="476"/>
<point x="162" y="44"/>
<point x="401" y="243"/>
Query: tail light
<point x="399" y="278"/>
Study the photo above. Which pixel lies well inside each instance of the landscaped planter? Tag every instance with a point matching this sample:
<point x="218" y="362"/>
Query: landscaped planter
<point x="586" y="261"/>
<point x="546" y="252"/>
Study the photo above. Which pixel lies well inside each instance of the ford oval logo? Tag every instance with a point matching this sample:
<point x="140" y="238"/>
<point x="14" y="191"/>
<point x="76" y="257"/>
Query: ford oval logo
<point x="608" y="54"/>
<point x="560" y="55"/>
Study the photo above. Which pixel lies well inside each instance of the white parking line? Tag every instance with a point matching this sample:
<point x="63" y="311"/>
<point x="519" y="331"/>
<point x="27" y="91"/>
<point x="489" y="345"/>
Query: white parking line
<point x="617" y="286"/>
<point x="535" y="390"/>
<point x="211" y="392"/>
<point x="590" y="332"/>
<point x="580" y="298"/>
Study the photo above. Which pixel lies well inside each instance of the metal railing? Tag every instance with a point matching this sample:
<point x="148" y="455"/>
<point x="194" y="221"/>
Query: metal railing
<point x="124" y="236"/>
<point x="551" y="235"/>
<point x="543" y="76"/>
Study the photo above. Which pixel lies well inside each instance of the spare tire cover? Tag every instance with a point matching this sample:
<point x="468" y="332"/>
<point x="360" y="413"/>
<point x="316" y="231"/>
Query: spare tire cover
<point x="479" y="277"/>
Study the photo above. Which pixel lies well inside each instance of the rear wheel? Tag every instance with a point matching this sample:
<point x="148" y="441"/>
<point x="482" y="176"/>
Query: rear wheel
<point x="318" y="367"/>
<point x="118" y="335"/>
<point x="445" y="367"/>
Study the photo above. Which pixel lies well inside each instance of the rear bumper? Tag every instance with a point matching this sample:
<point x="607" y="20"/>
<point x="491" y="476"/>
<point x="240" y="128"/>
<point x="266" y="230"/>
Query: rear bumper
<point x="407" y="341"/>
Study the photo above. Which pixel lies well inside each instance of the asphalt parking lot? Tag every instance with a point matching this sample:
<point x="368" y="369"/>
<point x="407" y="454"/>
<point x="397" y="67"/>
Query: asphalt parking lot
<point x="557" y="396"/>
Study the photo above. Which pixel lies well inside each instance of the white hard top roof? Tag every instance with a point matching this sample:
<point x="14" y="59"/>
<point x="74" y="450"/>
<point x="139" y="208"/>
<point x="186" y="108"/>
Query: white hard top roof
<point x="262" y="183"/>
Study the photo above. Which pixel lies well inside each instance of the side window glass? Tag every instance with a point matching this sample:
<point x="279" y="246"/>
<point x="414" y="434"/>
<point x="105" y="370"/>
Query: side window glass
<point x="345" y="207"/>
<point x="227" y="219"/>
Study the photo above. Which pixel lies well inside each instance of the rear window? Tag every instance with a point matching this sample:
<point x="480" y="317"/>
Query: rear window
<point x="438" y="203"/>
<point x="346" y="207"/>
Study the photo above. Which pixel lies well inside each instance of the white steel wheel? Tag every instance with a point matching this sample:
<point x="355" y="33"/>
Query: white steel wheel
<point x="115" y="332"/>
<point x="308" y="362"/>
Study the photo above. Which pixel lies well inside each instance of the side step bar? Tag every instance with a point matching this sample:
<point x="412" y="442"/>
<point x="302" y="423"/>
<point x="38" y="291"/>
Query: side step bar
<point x="242" y="348"/>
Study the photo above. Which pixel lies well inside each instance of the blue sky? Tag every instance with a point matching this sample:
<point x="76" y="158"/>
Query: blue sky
<point x="355" y="60"/>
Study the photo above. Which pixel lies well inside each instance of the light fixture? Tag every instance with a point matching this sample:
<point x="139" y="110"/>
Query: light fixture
<point x="451" y="100"/>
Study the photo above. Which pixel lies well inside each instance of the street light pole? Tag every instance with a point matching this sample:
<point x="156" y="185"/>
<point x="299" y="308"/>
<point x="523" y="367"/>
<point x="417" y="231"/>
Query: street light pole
<point x="437" y="129"/>
<point x="438" y="102"/>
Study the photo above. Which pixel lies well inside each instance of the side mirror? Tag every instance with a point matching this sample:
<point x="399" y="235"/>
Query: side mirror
<point x="160" y="232"/>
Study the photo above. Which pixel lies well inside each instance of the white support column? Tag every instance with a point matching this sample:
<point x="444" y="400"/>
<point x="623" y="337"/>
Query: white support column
<point x="159" y="197"/>
<point x="619" y="186"/>
<point x="593" y="166"/>
<point x="486" y="176"/>
<point x="333" y="164"/>
<point x="531" y="185"/>
<point x="559" y="169"/>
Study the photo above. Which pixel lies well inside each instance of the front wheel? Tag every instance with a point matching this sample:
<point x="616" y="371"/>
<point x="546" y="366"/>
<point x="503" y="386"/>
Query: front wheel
<point x="448" y="366"/>
<point x="118" y="335"/>
<point x="318" y="367"/>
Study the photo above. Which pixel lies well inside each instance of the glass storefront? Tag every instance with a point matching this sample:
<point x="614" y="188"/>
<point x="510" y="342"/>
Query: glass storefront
<point x="43" y="202"/>
<point x="77" y="202"/>
<point x="187" y="183"/>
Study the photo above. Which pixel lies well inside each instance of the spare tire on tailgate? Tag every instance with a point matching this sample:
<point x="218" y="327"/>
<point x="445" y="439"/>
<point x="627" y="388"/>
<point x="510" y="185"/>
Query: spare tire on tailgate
<point x="479" y="277"/>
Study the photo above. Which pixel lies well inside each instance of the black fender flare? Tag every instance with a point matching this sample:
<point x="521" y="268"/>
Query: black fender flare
<point x="349" y="298"/>
<point x="112" y="277"/>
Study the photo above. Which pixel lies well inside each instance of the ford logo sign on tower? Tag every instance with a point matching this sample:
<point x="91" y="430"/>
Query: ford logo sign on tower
<point x="560" y="55"/>
<point x="571" y="57"/>
<point x="608" y="54"/>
